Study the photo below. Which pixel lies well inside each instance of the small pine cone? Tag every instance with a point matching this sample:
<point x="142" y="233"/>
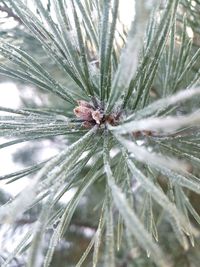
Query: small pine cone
<point x="83" y="113"/>
<point x="97" y="116"/>
<point x="110" y="119"/>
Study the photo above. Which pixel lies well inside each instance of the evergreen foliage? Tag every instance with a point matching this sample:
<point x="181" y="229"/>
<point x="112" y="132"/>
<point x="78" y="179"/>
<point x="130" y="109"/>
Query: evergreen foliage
<point x="131" y="120"/>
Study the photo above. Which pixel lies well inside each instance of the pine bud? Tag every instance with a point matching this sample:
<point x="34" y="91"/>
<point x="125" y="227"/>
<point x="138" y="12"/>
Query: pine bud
<point x="83" y="113"/>
<point x="97" y="116"/>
